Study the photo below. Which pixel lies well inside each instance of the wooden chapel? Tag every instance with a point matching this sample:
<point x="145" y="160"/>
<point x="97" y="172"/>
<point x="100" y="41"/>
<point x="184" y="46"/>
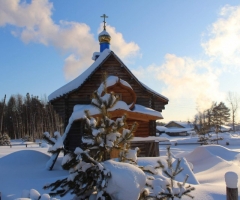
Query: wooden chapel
<point x="144" y="104"/>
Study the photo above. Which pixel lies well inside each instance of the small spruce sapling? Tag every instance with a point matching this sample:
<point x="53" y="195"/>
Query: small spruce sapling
<point x="205" y="138"/>
<point x="5" y="140"/>
<point x="164" y="189"/>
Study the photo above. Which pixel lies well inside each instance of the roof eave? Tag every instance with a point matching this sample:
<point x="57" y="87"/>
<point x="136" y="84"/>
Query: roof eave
<point x="149" y="91"/>
<point x="66" y="94"/>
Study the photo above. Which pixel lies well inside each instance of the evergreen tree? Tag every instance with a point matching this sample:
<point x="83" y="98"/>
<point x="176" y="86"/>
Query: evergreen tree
<point x="168" y="190"/>
<point x="100" y="137"/>
<point x="5" y="140"/>
<point x="28" y="117"/>
<point x="221" y="115"/>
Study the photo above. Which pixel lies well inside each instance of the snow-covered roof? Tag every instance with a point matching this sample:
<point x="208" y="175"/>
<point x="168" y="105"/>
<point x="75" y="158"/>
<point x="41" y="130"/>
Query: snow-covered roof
<point x="173" y="129"/>
<point x="224" y="127"/>
<point x="110" y="81"/>
<point x="104" y="32"/>
<point x="150" y="138"/>
<point x="77" y="82"/>
<point x="177" y="130"/>
<point x="141" y="109"/>
<point x="151" y="90"/>
<point x="183" y="124"/>
<point x="78" y="110"/>
<point x="161" y="128"/>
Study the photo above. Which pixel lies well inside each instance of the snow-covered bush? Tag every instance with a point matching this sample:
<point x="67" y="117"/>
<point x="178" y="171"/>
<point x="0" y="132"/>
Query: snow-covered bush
<point x="56" y="147"/>
<point x="27" y="138"/>
<point x="5" y="140"/>
<point x="160" y="188"/>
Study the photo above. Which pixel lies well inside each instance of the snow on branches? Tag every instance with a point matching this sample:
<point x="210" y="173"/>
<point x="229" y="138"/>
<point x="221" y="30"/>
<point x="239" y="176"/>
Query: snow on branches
<point x="103" y="134"/>
<point x="5" y="140"/>
<point x="160" y="188"/>
<point x="88" y="176"/>
<point x="55" y="149"/>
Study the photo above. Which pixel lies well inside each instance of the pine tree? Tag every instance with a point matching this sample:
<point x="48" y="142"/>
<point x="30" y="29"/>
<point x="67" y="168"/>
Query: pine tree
<point x="5" y="140"/>
<point x="101" y="135"/>
<point x="221" y="115"/>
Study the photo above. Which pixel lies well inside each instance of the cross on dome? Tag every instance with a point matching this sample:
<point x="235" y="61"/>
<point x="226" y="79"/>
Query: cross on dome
<point x="104" y="21"/>
<point x="104" y="37"/>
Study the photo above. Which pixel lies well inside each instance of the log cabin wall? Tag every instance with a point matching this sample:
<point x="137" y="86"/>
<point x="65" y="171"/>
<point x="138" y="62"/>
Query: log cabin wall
<point x="125" y="95"/>
<point x="74" y="139"/>
<point x="142" y="129"/>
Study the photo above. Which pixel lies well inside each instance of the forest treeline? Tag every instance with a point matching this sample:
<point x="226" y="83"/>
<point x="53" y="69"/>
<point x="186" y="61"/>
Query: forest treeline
<point x="28" y="116"/>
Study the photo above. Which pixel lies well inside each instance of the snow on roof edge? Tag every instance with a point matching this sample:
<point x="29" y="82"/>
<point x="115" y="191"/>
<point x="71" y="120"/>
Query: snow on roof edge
<point x="112" y="80"/>
<point x="183" y="124"/>
<point x="78" y="111"/>
<point x="145" y="86"/>
<point x="148" y="88"/>
<point x="75" y="83"/>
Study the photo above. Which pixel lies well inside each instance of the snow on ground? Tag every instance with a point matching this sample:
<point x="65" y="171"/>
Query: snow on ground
<point x="210" y="162"/>
<point x="23" y="168"/>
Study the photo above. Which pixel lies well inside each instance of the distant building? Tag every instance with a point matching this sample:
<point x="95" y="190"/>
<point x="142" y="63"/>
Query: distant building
<point x="224" y="128"/>
<point x="176" y="128"/>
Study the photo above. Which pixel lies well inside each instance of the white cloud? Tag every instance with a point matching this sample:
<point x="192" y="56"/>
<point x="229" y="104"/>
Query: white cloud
<point x="198" y="80"/>
<point x="36" y="25"/>
<point x="26" y="15"/>
<point x="223" y="40"/>
<point x="185" y="78"/>
<point x="74" y="66"/>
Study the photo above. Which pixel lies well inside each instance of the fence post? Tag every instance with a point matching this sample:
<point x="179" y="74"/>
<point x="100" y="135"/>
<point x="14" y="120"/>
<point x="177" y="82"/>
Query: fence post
<point x="231" y="179"/>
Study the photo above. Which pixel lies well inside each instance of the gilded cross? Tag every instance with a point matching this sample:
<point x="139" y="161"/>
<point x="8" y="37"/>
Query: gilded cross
<point x="104" y="21"/>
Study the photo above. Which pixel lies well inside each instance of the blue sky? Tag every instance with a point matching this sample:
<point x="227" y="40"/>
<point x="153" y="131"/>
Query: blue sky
<point x="187" y="50"/>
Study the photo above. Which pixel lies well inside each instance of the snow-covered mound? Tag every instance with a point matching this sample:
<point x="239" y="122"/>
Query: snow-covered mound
<point x="209" y="150"/>
<point x="223" y="152"/>
<point x="25" y="169"/>
<point x="23" y="160"/>
<point x="206" y="157"/>
<point x="126" y="182"/>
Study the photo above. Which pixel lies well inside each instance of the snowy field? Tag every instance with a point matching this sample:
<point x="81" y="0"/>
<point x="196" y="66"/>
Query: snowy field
<point x="23" y="168"/>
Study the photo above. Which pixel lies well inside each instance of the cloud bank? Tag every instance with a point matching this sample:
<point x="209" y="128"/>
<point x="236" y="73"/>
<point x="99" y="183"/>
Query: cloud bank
<point x="185" y="77"/>
<point x="181" y="76"/>
<point x="222" y="42"/>
<point x="35" y="24"/>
